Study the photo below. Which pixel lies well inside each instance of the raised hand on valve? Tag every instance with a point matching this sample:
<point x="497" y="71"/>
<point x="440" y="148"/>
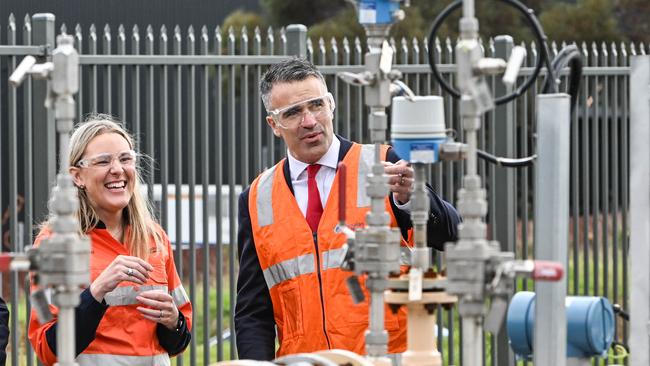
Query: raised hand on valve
<point x="123" y="268"/>
<point x="400" y="180"/>
<point x="158" y="306"/>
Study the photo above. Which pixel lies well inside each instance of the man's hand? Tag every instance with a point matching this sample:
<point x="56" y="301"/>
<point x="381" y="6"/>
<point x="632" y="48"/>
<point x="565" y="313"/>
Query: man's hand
<point x="400" y="180"/>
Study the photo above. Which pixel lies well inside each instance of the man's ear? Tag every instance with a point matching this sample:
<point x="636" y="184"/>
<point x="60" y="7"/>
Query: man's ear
<point x="75" y="172"/>
<point x="271" y="122"/>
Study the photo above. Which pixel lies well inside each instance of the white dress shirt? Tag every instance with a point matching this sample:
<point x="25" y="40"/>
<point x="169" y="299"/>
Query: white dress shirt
<point x="324" y="177"/>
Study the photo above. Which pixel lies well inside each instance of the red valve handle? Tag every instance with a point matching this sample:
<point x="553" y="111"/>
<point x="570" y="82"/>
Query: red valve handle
<point x="5" y="262"/>
<point x="548" y="271"/>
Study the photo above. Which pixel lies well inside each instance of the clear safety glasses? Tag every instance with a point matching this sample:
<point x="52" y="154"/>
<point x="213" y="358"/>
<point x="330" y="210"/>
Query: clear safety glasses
<point x="293" y="115"/>
<point x="101" y="161"/>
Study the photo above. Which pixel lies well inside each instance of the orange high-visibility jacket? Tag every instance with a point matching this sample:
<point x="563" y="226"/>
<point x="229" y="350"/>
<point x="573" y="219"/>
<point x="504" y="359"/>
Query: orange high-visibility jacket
<point x="312" y="306"/>
<point x="123" y="336"/>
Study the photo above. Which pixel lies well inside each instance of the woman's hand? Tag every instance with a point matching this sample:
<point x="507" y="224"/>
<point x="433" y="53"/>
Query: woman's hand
<point x="158" y="307"/>
<point x="123" y="268"/>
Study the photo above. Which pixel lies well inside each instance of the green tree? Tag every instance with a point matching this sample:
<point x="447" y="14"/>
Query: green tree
<point x="588" y="20"/>
<point x="240" y="18"/>
<point x="634" y="16"/>
<point x="307" y="12"/>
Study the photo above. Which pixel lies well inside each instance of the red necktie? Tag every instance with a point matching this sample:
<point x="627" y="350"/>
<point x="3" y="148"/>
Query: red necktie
<point x="314" y="205"/>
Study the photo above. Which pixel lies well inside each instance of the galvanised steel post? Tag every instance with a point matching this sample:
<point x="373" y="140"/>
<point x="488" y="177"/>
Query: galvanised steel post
<point x="296" y="40"/>
<point x="552" y="212"/>
<point x="43" y="129"/>
<point x="639" y="339"/>
<point x="504" y="185"/>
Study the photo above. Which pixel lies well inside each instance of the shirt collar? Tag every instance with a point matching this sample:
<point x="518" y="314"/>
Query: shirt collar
<point x="330" y="159"/>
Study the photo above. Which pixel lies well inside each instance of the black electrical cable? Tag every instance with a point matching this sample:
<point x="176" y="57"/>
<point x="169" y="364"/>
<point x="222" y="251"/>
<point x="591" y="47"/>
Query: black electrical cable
<point x="537" y="30"/>
<point x="572" y="57"/>
<point x="506" y="162"/>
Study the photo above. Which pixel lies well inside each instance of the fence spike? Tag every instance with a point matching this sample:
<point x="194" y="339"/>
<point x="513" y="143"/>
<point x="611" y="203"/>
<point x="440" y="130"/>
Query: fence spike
<point x="107" y="32"/>
<point x="632" y="49"/>
<point x="121" y="34"/>
<point x="218" y="40"/>
<point x="177" y="33"/>
<point x="190" y="33"/>
<point x="217" y="33"/>
<point x="27" y="20"/>
<point x="149" y="33"/>
<point x="204" y="33"/>
<point x="12" y="20"/>
<point x="613" y="54"/>
<point x="92" y="33"/>
<point x="78" y="37"/>
<point x="163" y="35"/>
<point x="641" y="48"/>
<point x="63" y="29"/>
<point x="135" y="33"/>
<point x="346" y="50"/>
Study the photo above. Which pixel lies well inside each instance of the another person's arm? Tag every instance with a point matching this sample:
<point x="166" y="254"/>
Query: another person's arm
<point x="4" y="331"/>
<point x="442" y="225"/>
<point x="254" y="322"/>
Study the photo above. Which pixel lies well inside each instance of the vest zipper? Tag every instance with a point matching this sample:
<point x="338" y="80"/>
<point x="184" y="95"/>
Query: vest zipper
<point x="320" y="289"/>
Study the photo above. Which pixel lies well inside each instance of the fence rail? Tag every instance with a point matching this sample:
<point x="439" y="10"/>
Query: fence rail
<point x="191" y="99"/>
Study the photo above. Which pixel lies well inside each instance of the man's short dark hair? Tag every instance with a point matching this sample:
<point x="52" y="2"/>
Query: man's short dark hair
<point x="293" y="69"/>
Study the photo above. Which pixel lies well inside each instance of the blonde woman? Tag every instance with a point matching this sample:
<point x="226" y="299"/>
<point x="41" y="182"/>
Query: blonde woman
<point x="135" y="311"/>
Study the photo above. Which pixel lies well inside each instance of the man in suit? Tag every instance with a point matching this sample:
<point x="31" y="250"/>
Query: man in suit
<point x="290" y="283"/>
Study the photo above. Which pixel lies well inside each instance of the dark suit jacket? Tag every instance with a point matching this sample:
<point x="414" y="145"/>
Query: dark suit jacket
<point x="4" y="331"/>
<point x="254" y="322"/>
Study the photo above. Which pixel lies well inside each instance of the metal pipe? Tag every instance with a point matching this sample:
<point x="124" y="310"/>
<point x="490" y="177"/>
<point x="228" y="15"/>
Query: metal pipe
<point x="65" y="347"/>
<point x="472" y="341"/>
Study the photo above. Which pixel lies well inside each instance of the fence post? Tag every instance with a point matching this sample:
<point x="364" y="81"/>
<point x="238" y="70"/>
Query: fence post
<point x="504" y="186"/>
<point x="553" y="113"/>
<point x="639" y="339"/>
<point x="44" y="129"/>
<point x="297" y="40"/>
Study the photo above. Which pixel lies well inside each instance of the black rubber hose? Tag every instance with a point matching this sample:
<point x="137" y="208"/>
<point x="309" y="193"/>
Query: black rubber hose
<point x="572" y="57"/>
<point x="537" y="30"/>
<point x="506" y="162"/>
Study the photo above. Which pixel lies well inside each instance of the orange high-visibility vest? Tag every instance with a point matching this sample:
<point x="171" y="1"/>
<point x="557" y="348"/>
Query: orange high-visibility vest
<point x="123" y="336"/>
<point x="312" y="306"/>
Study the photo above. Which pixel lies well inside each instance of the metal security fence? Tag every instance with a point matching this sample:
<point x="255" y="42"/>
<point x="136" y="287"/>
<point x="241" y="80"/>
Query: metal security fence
<point x="190" y="97"/>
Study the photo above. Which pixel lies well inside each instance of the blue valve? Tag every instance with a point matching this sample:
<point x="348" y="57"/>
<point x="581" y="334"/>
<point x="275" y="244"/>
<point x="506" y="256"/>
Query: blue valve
<point x="590" y="325"/>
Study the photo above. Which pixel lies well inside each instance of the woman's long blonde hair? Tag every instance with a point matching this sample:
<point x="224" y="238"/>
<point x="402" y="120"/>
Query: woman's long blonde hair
<point x="140" y="218"/>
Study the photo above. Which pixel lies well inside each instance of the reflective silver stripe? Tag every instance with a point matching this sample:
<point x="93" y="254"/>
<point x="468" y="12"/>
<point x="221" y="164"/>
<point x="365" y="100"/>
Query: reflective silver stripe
<point x="333" y="258"/>
<point x="291" y="268"/>
<point x="265" y="198"/>
<point x="404" y="256"/>
<point x="126" y="295"/>
<point x="85" y="359"/>
<point x="180" y="296"/>
<point x="365" y="164"/>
